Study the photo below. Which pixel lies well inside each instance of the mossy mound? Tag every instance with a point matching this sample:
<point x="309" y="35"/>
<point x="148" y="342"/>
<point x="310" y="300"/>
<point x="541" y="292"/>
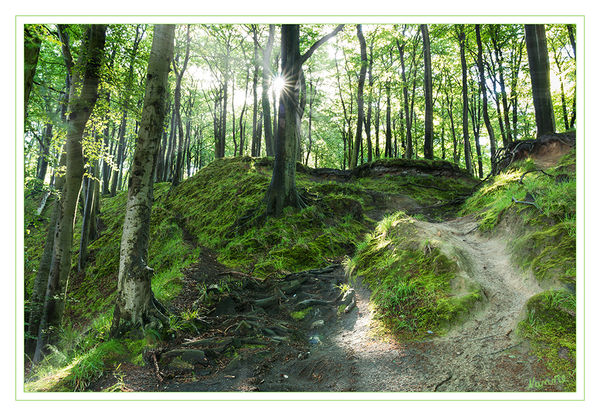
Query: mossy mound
<point x="544" y="227"/>
<point x="550" y="328"/>
<point x="411" y="279"/>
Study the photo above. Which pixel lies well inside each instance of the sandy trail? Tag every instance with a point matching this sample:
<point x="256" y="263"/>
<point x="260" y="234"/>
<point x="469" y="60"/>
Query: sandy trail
<point x="482" y="354"/>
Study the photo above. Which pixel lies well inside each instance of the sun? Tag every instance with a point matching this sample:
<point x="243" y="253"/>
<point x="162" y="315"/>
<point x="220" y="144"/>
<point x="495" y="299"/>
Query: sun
<point x="278" y="84"/>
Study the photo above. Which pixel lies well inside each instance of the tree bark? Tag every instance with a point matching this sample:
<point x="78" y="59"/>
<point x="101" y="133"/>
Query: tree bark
<point x="32" y="43"/>
<point x="282" y="190"/>
<point x="266" y="76"/>
<point x="81" y="106"/>
<point x="360" y="96"/>
<point x="482" y="86"/>
<point x="539" y="68"/>
<point x="136" y="306"/>
<point x="177" y="108"/>
<point x="465" y="97"/>
<point x="428" y="146"/>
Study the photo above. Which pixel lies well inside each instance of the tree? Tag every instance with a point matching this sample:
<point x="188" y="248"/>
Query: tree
<point x="282" y="190"/>
<point x="136" y="305"/>
<point x="266" y="76"/>
<point x="539" y="68"/>
<point x="177" y="108"/>
<point x="82" y="98"/>
<point x="482" y="86"/>
<point x="465" y="99"/>
<point x="428" y="147"/>
<point x="360" y="96"/>
<point x="32" y="43"/>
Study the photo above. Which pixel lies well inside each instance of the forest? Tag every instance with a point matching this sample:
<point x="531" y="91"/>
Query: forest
<point x="314" y="207"/>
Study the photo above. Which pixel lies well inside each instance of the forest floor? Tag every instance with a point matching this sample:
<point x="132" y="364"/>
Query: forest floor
<point x="327" y="349"/>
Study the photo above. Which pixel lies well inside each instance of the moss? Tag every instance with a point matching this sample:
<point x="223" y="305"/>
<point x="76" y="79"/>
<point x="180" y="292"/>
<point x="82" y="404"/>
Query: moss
<point x="410" y="280"/>
<point x="550" y="327"/>
<point x="301" y="314"/>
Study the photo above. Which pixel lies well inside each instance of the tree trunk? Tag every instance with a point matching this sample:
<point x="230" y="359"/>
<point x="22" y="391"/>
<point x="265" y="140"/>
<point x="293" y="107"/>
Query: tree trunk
<point x="482" y="86"/>
<point x="80" y="106"/>
<point x="388" y="121"/>
<point x="465" y="97"/>
<point x="539" y="68"/>
<point x="282" y="190"/>
<point x="266" y="76"/>
<point x="32" y="43"/>
<point x="409" y="144"/>
<point x="370" y="105"/>
<point x="136" y="306"/>
<point x="177" y="107"/>
<point x="428" y="147"/>
<point x="36" y="302"/>
<point x="360" y="96"/>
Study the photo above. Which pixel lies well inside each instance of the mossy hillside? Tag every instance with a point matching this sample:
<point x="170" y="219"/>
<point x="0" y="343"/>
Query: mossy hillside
<point x="410" y="279"/>
<point x="550" y="328"/>
<point x="94" y="292"/>
<point x="211" y="207"/>
<point x="544" y="235"/>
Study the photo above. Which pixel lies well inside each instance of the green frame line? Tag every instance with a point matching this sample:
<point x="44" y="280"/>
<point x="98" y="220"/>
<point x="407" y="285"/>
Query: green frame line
<point x="306" y="399"/>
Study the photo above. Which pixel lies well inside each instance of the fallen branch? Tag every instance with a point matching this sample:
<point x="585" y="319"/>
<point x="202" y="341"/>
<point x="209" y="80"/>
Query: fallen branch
<point x="156" y="369"/>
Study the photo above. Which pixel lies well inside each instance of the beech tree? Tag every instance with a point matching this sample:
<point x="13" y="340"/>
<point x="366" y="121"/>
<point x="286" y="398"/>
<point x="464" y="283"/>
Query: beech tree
<point x="136" y="306"/>
<point x="428" y="141"/>
<point x="82" y="97"/>
<point x="282" y="190"/>
<point x="539" y="68"/>
<point x="360" y="96"/>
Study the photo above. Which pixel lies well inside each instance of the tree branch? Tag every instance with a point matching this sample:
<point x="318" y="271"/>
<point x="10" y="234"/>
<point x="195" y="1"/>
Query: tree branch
<point x="318" y="43"/>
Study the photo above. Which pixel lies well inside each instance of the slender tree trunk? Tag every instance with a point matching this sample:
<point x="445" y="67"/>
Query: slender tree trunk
<point x="136" y="306"/>
<point x="539" y="68"/>
<point x="360" y="96"/>
<point x="36" y="302"/>
<point x="81" y="106"/>
<point x="266" y="76"/>
<point x="255" y="136"/>
<point x="177" y="106"/>
<point x="465" y="97"/>
<point x="428" y="147"/>
<point x="483" y="88"/>
<point x="505" y="110"/>
<point x="370" y="106"/>
<point x="388" y="122"/>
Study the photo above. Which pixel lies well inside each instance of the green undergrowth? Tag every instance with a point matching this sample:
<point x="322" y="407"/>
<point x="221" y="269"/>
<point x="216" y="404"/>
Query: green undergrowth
<point x="78" y="359"/>
<point x="410" y="279"/>
<point x="550" y="329"/>
<point x="543" y="234"/>
<point x="542" y="238"/>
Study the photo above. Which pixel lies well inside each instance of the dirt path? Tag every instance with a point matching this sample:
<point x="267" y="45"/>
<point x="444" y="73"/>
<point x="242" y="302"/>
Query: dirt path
<point x="481" y="355"/>
<point x="331" y="350"/>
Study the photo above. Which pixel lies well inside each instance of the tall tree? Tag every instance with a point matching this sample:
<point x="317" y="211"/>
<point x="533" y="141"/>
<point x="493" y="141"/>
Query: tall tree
<point x="136" y="306"/>
<point x="483" y="88"/>
<point x="282" y="190"/>
<point x="82" y="98"/>
<point x="177" y="107"/>
<point x="539" y="68"/>
<point x="266" y="77"/>
<point x="465" y="98"/>
<point x="32" y="43"/>
<point x="428" y="146"/>
<point x="360" y="96"/>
